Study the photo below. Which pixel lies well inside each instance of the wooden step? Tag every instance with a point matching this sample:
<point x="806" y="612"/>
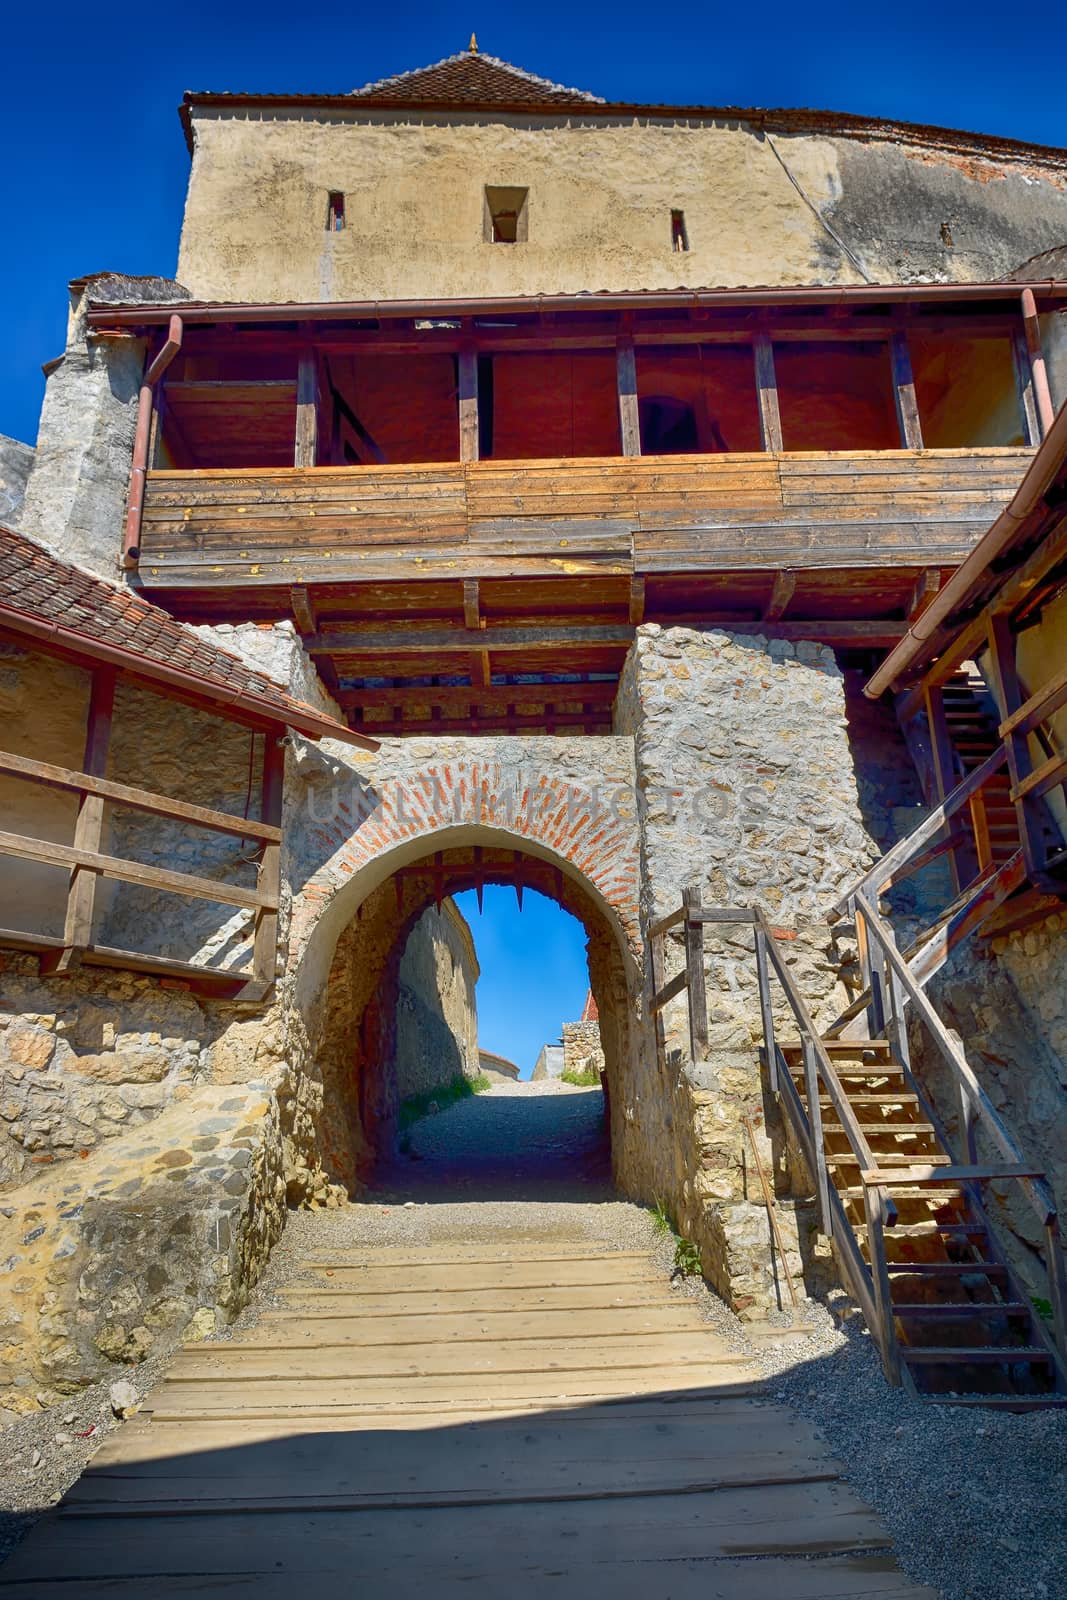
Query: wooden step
<point x="888" y="1158"/>
<point x="962" y="1308"/>
<point x="881" y="1098"/>
<point x="837" y="1048"/>
<point x="949" y="1269"/>
<point x="956" y="1355"/>
<point x="918" y="1230"/>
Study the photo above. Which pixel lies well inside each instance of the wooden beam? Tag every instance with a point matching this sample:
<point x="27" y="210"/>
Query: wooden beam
<point x="770" y="420"/>
<point x="268" y="878"/>
<point x="393" y="641"/>
<point x="629" y="411"/>
<point x="472" y="604"/>
<point x="302" y="608"/>
<point x="481" y="670"/>
<point x="89" y="827"/>
<point x="637" y="600"/>
<point x="911" y="433"/>
<point x="62" y="855"/>
<point x="124" y="794"/>
<point x="305" y="450"/>
<point x="468" y="404"/>
<point x="782" y="591"/>
<point x="458" y="698"/>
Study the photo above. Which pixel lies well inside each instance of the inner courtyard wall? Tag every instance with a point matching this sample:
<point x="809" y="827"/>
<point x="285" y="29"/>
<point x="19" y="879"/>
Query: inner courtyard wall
<point x="437" y="1011"/>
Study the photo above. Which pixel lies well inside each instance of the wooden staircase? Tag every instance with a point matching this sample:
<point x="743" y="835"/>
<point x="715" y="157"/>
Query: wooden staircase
<point x="966" y="1330"/>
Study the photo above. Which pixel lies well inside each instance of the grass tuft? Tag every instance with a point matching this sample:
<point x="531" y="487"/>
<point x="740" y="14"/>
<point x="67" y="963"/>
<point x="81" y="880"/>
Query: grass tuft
<point x="582" y="1080"/>
<point x="417" y="1106"/>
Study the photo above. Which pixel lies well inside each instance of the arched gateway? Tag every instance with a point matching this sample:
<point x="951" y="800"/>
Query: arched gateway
<point x="393" y="841"/>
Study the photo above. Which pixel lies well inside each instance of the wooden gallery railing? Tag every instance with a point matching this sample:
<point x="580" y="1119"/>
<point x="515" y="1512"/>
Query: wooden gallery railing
<point x="89" y="864"/>
<point x="891" y="987"/>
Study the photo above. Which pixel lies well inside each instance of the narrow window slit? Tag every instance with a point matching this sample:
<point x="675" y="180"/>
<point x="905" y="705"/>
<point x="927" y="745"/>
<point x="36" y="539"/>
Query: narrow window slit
<point x="335" y="211"/>
<point x="679" y="232"/>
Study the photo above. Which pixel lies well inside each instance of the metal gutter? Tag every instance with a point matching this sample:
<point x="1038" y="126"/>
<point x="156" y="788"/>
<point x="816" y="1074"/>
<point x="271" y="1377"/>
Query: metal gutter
<point x="1040" y="475"/>
<point x="291" y="715"/>
<point x="195" y="312"/>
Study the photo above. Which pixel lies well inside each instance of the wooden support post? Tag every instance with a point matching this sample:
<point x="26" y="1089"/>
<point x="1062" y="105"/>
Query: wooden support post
<point x="637" y="600"/>
<point x="968" y="1126"/>
<point x="1024" y="386"/>
<point x="782" y="592"/>
<point x="89" y="828"/>
<point x="472" y="604"/>
<point x="1009" y="698"/>
<point x="694" y="966"/>
<point x="468" y="405"/>
<point x="629" y="412"/>
<point x="927" y="586"/>
<point x="305" y="452"/>
<point x="872" y="972"/>
<point x="268" y="882"/>
<point x="302" y="609"/>
<point x="818" y="1145"/>
<point x="770" y="420"/>
<point x="911" y="433"/>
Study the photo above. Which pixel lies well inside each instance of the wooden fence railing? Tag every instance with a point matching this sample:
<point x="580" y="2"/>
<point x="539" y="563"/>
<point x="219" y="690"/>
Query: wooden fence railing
<point x="89" y="864"/>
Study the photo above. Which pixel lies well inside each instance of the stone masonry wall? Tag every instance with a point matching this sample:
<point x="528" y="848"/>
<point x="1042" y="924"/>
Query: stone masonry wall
<point x="747" y="792"/>
<point x="16" y="461"/>
<point x="582" y="1050"/>
<point x="437" y="1017"/>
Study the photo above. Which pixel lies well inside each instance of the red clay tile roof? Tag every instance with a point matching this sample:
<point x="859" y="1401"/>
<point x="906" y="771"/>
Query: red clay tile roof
<point x="53" y="599"/>
<point x="472" y="79"/>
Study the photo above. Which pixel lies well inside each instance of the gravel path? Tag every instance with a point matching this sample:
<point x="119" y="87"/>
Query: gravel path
<point x="974" y="1499"/>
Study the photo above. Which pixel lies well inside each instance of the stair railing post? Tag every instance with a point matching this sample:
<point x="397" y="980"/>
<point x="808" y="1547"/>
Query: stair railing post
<point x="1057" y="1278"/>
<point x="874" y="1208"/>
<point x="968" y="1125"/>
<point x="694" y="965"/>
<point x="811" y="1091"/>
<point x="872" y="968"/>
<point x="763" y="979"/>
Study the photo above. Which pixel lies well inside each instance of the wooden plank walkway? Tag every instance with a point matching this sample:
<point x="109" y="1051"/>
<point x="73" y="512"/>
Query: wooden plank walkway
<point x="526" y="1419"/>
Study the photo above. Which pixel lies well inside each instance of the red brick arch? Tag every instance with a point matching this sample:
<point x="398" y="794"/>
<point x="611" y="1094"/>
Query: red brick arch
<point x="362" y="833"/>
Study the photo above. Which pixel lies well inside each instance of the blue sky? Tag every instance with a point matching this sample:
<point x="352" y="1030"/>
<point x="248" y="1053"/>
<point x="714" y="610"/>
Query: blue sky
<point x="534" y="972"/>
<point x="95" y="166"/>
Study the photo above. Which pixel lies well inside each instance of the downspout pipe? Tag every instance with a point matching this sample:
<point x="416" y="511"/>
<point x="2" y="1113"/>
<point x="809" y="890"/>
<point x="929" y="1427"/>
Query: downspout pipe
<point x="1042" y="396"/>
<point x="131" y="538"/>
<point x="1040" y="475"/>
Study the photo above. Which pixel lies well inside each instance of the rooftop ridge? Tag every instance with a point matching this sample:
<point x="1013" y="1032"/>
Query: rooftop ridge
<point x="449" y="74"/>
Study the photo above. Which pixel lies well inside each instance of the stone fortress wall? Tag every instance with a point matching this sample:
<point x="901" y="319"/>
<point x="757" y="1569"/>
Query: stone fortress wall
<point x="437" y="1014"/>
<point x="761" y="207"/>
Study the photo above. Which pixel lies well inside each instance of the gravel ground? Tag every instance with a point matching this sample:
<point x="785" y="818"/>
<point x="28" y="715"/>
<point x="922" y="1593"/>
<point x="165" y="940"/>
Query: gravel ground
<point x="974" y="1499"/>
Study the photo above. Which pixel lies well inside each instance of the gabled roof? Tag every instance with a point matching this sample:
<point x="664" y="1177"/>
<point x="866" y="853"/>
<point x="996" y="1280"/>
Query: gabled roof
<point x="472" y="79"/>
<point x="55" y="603"/>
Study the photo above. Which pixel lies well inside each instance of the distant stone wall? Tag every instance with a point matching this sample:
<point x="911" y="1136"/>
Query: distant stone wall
<point x="498" y="1068"/>
<point x="549" y="1063"/>
<point x="437" y="1016"/>
<point x="582" y="1050"/>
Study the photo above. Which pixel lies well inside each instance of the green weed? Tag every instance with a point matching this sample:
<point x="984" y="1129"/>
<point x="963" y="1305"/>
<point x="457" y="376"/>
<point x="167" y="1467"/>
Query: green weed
<point x="417" y="1106"/>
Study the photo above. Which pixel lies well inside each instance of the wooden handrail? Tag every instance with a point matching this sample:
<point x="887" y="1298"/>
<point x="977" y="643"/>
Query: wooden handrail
<point x="1038" y="1190"/>
<point x="123" y="794"/>
<point x="887" y="866"/>
<point x="62" y="855"/>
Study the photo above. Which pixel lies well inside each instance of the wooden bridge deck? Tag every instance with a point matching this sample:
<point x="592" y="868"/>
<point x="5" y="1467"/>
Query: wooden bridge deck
<point x="527" y="1419"/>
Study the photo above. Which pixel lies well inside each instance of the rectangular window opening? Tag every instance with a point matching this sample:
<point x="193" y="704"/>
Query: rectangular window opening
<point x="335" y="211"/>
<point x="679" y="232"/>
<point x="505" y="215"/>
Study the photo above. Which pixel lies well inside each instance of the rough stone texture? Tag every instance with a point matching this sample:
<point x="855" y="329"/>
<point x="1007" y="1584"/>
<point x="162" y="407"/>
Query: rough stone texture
<point x="76" y="494"/>
<point x="437" y="1017"/>
<point x="747" y="792"/>
<point x="163" y="1233"/>
<point x="582" y="1050"/>
<point x="16" y="461"/>
<point x="760" y="209"/>
<point x="274" y="648"/>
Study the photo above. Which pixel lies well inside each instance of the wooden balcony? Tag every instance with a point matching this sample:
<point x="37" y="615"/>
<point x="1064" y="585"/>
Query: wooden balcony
<point x="890" y="512"/>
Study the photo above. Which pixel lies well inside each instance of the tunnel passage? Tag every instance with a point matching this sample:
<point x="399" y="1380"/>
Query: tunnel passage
<point x="357" y="1049"/>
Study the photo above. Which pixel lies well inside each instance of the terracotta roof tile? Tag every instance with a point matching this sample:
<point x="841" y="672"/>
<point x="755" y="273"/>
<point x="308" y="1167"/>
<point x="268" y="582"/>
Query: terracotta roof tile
<point x="473" y="79"/>
<point x="45" y="589"/>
